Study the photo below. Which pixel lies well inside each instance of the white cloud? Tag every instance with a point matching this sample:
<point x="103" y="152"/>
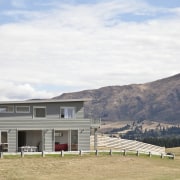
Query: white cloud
<point x="73" y="47"/>
<point x="12" y="91"/>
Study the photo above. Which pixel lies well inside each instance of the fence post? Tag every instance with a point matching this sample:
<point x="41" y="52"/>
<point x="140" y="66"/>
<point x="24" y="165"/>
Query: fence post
<point x="80" y="152"/>
<point x="96" y="153"/>
<point x="62" y="153"/>
<point x="43" y="153"/>
<point x="137" y="153"/>
<point x="150" y="154"/>
<point x="110" y="152"/>
<point x="1" y="155"/>
<point x="162" y="155"/>
<point x="124" y="152"/>
<point x="22" y="153"/>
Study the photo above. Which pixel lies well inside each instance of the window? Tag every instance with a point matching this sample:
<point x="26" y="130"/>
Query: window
<point x="67" y="112"/>
<point x="4" y="141"/>
<point x="6" y="109"/>
<point x="39" y="112"/>
<point x="22" y="109"/>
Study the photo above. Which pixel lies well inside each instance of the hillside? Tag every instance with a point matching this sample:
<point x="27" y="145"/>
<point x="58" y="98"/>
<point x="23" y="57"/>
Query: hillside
<point x="157" y="101"/>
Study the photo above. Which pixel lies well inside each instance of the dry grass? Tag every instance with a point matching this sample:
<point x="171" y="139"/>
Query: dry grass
<point x="90" y="167"/>
<point x="176" y="151"/>
<point x="146" y="125"/>
<point x="109" y="125"/>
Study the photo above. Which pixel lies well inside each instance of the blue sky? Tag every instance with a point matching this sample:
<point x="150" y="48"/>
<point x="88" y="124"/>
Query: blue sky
<point x="49" y="47"/>
<point x="16" y="10"/>
<point x="164" y="3"/>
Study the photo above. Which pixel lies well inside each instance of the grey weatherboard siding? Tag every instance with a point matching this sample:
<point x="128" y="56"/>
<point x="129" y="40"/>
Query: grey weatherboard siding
<point x="15" y="122"/>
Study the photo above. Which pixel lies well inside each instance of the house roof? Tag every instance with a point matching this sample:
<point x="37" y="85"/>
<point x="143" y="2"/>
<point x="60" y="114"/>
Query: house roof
<point x="35" y="101"/>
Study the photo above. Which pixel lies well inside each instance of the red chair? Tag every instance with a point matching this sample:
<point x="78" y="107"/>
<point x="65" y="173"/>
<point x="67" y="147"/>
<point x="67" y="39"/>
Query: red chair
<point x="60" y="147"/>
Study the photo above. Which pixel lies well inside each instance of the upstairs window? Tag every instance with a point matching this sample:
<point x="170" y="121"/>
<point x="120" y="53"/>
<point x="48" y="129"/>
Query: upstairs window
<point x="67" y="112"/>
<point x="6" y="109"/>
<point x="39" y="112"/>
<point x="22" y="109"/>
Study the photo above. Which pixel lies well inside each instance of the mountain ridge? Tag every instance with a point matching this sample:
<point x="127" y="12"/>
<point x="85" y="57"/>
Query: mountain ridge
<point x="157" y="101"/>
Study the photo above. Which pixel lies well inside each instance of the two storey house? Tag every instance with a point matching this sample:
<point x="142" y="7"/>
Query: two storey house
<point x="44" y="125"/>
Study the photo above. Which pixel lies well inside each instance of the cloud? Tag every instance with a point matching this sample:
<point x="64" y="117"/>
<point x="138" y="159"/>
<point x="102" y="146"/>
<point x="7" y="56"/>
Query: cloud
<point x="81" y="46"/>
<point x="11" y="91"/>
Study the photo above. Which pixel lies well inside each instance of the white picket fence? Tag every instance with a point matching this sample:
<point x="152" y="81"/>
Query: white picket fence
<point x="106" y="142"/>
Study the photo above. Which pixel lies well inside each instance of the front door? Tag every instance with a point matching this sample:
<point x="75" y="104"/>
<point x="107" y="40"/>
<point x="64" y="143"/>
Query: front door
<point x="74" y="140"/>
<point x="21" y="138"/>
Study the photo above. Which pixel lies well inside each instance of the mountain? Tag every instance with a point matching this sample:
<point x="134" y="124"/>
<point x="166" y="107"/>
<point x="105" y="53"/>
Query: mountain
<point x="156" y="101"/>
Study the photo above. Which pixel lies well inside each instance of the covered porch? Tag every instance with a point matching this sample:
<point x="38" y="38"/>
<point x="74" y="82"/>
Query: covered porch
<point x="29" y="140"/>
<point x="47" y="140"/>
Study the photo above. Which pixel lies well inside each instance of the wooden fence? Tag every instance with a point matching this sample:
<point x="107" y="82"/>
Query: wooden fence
<point x="90" y="152"/>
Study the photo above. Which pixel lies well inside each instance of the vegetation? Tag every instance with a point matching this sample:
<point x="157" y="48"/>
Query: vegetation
<point x="126" y="127"/>
<point x="169" y="137"/>
<point x="166" y="142"/>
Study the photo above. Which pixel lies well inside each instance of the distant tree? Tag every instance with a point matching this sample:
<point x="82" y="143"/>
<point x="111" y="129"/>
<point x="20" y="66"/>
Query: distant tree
<point x="169" y="137"/>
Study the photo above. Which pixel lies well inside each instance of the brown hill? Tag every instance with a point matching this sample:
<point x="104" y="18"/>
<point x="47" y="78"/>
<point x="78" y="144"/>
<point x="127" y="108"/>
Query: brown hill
<point x="157" y="101"/>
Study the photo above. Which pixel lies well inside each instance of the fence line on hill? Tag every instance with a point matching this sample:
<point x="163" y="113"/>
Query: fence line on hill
<point x="105" y="142"/>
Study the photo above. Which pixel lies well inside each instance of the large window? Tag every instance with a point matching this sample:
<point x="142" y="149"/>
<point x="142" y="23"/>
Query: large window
<point x="67" y="112"/>
<point x="22" y="109"/>
<point x="6" y="109"/>
<point x="39" y="112"/>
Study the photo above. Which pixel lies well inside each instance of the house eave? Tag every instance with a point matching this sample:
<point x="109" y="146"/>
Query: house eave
<point x="44" y="101"/>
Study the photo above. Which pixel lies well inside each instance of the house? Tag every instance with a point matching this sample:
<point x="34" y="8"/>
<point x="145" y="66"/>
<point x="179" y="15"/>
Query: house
<point x="44" y="125"/>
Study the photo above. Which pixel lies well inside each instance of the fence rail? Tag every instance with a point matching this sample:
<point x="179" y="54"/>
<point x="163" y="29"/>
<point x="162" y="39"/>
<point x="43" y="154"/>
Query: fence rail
<point x="89" y="152"/>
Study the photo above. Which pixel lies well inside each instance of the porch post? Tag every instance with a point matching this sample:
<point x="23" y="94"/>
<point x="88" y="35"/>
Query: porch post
<point x="42" y="144"/>
<point x="70" y="140"/>
<point x="53" y="139"/>
<point x="17" y="142"/>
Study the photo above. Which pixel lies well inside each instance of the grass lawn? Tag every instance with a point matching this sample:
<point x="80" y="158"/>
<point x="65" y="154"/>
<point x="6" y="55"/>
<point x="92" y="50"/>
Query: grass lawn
<point x="90" y="167"/>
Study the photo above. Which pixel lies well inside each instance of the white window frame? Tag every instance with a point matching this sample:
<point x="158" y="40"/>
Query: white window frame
<point x="37" y="107"/>
<point x="4" y="106"/>
<point x="23" y="111"/>
<point x="66" y="108"/>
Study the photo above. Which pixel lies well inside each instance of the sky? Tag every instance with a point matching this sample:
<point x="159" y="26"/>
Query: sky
<point x="50" y="47"/>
